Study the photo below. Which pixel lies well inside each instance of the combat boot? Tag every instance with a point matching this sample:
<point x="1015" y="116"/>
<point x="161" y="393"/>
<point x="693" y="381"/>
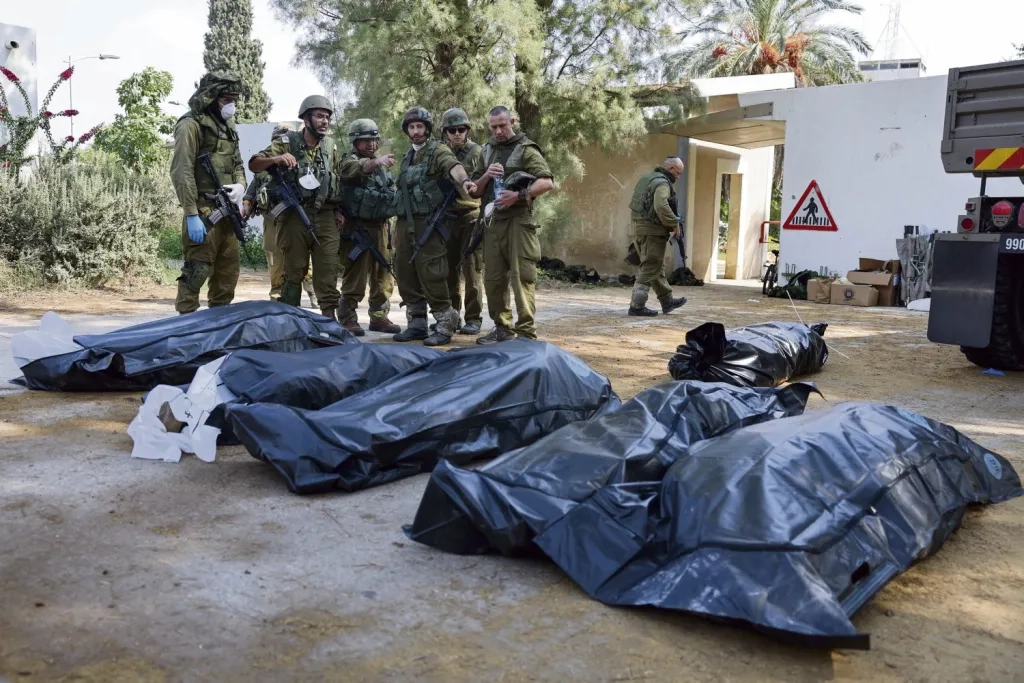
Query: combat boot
<point x="384" y="325"/>
<point x="354" y="327"/>
<point x="416" y="330"/>
<point x="643" y="311"/>
<point x="447" y="324"/>
<point x="331" y="313"/>
<point x="668" y="305"/>
<point x="498" y="334"/>
<point x="470" y="328"/>
<point x="349" y="320"/>
<point x="312" y="298"/>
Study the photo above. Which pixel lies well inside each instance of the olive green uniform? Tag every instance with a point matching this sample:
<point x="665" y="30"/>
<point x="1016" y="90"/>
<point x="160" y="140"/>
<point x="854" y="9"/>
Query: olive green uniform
<point x="256" y="195"/>
<point x="216" y="258"/>
<point x="367" y="202"/>
<point x="461" y="228"/>
<point x="425" y="281"/>
<point x="511" y="244"/>
<point x="652" y="223"/>
<point x="293" y="239"/>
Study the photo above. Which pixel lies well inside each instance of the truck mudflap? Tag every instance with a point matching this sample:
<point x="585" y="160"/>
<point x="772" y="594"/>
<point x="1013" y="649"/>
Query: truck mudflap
<point x="963" y="289"/>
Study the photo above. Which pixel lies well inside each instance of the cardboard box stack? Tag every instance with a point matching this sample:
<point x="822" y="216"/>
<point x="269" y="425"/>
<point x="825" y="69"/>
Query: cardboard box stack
<point x="873" y="283"/>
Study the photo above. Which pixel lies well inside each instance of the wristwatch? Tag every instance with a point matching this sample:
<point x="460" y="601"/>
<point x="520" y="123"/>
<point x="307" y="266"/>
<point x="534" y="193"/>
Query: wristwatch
<point x="524" y="195"/>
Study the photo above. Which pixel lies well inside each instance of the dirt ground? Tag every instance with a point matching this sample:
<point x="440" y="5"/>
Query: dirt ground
<point x="113" y="569"/>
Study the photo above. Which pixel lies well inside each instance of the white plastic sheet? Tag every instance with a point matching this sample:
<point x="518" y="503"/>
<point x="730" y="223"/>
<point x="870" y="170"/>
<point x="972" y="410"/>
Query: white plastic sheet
<point x="154" y="442"/>
<point x="53" y="338"/>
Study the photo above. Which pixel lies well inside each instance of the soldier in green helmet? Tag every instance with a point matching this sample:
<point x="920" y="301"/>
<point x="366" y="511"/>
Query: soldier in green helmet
<point x="306" y="158"/>
<point x="256" y="203"/>
<point x="366" y="201"/>
<point x="427" y="169"/>
<point x="511" y="245"/>
<point x="211" y="251"/>
<point x="455" y="128"/>
<point x="653" y="222"/>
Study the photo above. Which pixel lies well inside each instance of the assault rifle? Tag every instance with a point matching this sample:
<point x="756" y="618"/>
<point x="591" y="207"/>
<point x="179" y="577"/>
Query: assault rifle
<point x="435" y="222"/>
<point x="284" y="191"/>
<point x="225" y="207"/>
<point x="364" y="243"/>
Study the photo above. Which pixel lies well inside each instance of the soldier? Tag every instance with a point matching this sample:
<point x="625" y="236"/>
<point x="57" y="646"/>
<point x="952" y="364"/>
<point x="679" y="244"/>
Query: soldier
<point x="211" y="251"/>
<point x="425" y="169"/>
<point x="306" y="157"/>
<point x="256" y="203"/>
<point x="511" y="246"/>
<point x="367" y="193"/>
<point x="455" y="133"/>
<point x="653" y="222"/>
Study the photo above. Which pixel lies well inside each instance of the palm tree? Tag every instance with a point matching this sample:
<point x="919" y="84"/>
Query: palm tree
<point x="748" y="37"/>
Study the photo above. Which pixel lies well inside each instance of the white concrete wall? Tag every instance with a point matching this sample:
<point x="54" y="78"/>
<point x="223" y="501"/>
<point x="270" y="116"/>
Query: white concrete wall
<point x="22" y="61"/>
<point x="874" y="150"/>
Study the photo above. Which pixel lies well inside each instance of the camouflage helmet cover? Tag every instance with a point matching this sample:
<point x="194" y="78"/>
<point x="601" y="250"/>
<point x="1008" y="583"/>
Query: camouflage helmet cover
<point x="363" y="129"/>
<point x="520" y="180"/>
<point x="315" y="102"/>
<point x="454" y="117"/>
<point x="417" y="113"/>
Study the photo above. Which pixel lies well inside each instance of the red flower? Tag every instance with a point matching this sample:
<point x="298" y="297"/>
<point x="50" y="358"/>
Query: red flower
<point x="10" y="74"/>
<point x="719" y="51"/>
<point x="47" y="114"/>
<point x="70" y="138"/>
<point x="66" y="73"/>
<point x="70" y="112"/>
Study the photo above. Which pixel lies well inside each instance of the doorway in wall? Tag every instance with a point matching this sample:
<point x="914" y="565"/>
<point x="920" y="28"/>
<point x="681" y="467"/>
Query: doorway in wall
<point x="730" y="191"/>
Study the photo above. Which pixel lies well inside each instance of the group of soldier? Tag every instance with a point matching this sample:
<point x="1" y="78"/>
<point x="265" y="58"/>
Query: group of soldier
<point x="356" y="207"/>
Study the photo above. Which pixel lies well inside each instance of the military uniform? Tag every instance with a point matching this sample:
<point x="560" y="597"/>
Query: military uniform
<point x="293" y="239"/>
<point x="425" y="280"/>
<point x="511" y="244"/>
<point x="367" y="201"/>
<point x="653" y="222"/>
<point x="200" y="132"/>
<point x="256" y="195"/>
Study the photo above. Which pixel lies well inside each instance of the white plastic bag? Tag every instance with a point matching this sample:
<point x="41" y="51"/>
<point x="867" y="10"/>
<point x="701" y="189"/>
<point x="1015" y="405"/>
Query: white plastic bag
<point x="154" y="442"/>
<point x="53" y="338"/>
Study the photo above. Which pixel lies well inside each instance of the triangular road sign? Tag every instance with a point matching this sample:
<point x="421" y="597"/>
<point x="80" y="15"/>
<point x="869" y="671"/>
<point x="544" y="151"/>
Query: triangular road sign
<point x="811" y="212"/>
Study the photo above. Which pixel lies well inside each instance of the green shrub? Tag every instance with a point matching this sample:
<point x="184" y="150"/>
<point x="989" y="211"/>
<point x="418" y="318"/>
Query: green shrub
<point x="87" y="224"/>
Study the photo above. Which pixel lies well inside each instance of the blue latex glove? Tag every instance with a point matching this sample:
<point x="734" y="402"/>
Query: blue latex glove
<point x="196" y="229"/>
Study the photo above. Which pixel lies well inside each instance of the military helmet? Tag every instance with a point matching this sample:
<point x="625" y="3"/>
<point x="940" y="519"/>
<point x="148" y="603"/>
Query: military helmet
<point x="520" y="180"/>
<point x="315" y="102"/>
<point x="363" y="129"/>
<point x="454" y="117"/>
<point x="417" y="113"/>
<point x="279" y="131"/>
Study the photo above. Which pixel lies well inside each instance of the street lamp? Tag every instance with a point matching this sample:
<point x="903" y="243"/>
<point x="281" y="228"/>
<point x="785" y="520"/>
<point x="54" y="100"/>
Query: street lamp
<point x="71" y="100"/>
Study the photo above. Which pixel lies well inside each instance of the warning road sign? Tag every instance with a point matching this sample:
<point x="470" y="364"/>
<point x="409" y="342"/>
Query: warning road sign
<point x="811" y="212"/>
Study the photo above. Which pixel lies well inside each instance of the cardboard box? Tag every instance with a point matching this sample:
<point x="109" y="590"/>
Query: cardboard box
<point x="882" y="275"/>
<point x="819" y="290"/>
<point x="853" y="295"/>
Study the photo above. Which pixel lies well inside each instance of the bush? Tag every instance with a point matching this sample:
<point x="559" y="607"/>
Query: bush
<point x="87" y="224"/>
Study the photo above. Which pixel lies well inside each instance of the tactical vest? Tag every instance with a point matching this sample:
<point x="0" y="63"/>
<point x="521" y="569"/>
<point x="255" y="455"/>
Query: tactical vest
<point x="220" y="141"/>
<point x="320" y="167"/>
<point x="465" y="206"/>
<point x="512" y="158"/>
<point x="372" y="200"/>
<point x="418" y="194"/>
<point x="641" y="205"/>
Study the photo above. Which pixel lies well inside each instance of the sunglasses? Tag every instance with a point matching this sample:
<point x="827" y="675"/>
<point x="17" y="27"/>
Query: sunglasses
<point x="459" y="129"/>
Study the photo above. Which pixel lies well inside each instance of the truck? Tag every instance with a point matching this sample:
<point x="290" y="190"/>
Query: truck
<point x="977" y="288"/>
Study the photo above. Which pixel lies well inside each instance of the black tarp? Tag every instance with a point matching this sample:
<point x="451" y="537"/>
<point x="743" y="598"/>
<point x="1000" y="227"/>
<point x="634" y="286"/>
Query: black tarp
<point x="789" y="525"/>
<point x="467" y="404"/>
<point x="502" y="505"/>
<point x="170" y="350"/>
<point x="763" y="355"/>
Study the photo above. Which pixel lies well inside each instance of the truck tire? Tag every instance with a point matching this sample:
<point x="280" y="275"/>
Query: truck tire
<point x="1005" y="350"/>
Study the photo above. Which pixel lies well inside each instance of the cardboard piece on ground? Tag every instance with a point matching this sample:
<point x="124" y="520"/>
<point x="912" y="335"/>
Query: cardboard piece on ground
<point x="853" y="295"/>
<point x="819" y="290"/>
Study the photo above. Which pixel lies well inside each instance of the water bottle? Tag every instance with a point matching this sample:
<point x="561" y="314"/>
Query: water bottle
<point x="499" y="187"/>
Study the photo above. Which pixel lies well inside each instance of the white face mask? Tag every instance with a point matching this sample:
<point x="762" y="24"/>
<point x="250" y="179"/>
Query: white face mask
<point x="228" y="110"/>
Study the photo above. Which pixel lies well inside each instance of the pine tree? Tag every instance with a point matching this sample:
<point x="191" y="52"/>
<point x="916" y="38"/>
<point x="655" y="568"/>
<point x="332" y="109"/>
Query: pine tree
<point x="230" y="47"/>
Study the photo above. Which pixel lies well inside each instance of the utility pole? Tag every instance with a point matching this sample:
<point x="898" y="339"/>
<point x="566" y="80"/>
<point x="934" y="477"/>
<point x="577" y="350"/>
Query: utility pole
<point x="71" y="96"/>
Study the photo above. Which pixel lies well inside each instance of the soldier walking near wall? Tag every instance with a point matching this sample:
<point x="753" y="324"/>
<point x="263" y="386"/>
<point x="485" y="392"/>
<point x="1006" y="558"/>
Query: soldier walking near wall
<point x="367" y="202"/>
<point x="423" y="279"/>
<point x="211" y="251"/>
<point x="511" y="245"/>
<point x="653" y="222"/>
<point x="455" y="133"/>
<point x="306" y="158"/>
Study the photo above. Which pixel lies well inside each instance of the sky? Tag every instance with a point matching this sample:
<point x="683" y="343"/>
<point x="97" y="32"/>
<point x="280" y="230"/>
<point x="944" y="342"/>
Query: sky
<point x="169" y="36"/>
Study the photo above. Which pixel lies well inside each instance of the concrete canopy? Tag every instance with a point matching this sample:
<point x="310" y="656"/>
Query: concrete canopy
<point x="736" y="127"/>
